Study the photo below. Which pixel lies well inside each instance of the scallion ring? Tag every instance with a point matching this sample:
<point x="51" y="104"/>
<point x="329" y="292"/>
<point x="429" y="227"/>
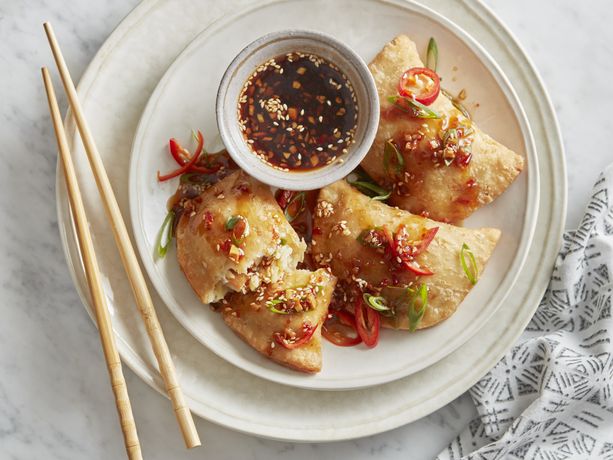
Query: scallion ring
<point x="390" y="151"/>
<point x="432" y="54"/>
<point x="165" y="234"/>
<point x="456" y="103"/>
<point x="412" y="107"/>
<point x="415" y="316"/>
<point x="377" y="303"/>
<point x="270" y="304"/>
<point x="374" y="191"/>
<point x="232" y="221"/>
<point x="472" y="272"/>
<point x="297" y="200"/>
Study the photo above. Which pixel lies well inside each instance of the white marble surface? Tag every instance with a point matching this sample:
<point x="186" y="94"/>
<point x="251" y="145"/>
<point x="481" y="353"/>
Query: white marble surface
<point x="55" y="401"/>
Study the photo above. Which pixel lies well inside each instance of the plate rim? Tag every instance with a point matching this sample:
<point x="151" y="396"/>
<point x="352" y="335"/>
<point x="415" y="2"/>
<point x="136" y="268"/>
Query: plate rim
<point x="282" y="376"/>
<point x="552" y="237"/>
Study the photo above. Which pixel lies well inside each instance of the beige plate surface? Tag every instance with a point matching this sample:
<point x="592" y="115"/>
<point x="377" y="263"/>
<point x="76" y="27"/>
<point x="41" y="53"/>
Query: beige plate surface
<point x="114" y="92"/>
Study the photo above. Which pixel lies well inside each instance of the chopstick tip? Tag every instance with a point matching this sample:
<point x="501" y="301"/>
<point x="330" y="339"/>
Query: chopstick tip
<point x="48" y="28"/>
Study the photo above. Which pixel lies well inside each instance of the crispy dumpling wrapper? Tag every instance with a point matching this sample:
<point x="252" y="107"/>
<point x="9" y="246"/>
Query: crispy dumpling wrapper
<point x="213" y="262"/>
<point x="251" y="318"/>
<point x="343" y="213"/>
<point x="446" y="193"/>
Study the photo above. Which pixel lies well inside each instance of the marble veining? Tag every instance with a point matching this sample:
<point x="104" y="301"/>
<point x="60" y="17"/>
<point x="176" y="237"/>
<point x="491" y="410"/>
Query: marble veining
<point x="55" y="401"/>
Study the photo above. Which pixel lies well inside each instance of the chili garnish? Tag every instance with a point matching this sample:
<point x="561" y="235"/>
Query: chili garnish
<point x="186" y="164"/>
<point x="340" y="328"/>
<point x="292" y="343"/>
<point x="398" y="247"/>
<point x="283" y="197"/>
<point x="407" y="251"/>
<point x="367" y="323"/>
<point x="421" y="84"/>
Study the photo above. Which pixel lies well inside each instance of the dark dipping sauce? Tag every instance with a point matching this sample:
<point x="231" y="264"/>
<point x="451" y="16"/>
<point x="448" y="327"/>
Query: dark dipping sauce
<point x="298" y="112"/>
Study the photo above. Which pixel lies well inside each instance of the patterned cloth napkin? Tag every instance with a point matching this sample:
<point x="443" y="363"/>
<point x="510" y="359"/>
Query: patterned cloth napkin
<point x="551" y="396"/>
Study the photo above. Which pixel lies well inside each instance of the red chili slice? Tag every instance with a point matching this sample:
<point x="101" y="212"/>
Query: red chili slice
<point x="414" y="267"/>
<point x="208" y="220"/>
<point x="239" y="231"/>
<point x="407" y="253"/>
<point x="420" y="83"/>
<point x="340" y="329"/>
<point x="224" y="247"/>
<point x="174" y="151"/>
<point x="177" y="152"/>
<point x="367" y="323"/>
<point x="308" y="331"/>
<point x="283" y="197"/>
<point x="425" y="241"/>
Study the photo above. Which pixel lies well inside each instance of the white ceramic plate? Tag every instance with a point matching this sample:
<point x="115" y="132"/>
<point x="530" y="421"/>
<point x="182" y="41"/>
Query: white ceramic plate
<point x="185" y="99"/>
<point x="114" y="91"/>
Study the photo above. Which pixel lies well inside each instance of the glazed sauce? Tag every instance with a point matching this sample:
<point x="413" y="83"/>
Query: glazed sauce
<point x="191" y="185"/>
<point x="427" y="145"/>
<point x="298" y="112"/>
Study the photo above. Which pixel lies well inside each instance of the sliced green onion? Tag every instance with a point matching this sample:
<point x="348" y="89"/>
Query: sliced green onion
<point x="196" y="178"/>
<point x="372" y="190"/>
<point x="456" y="103"/>
<point x="362" y="238"/>
<point x="165" y="234"/>
<point x="432" y="54"/>
<point x="415" y="315"/>
<point x="232" y="221"/>
<point x="367" y="184"/>
<point x="377" y="303"/>
<point x="361" y="174"/>
<point x="301" y="198"/>
<point x="270" y="304"/>
<point x="391" y="151"/>
<point x="472" y="272"/>
<point x="412" y="107"/>
<point x="187" y="178"/>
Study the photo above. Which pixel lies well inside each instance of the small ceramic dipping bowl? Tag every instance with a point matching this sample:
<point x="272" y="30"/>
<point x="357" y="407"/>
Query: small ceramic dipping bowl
<point x="339" y="159"/>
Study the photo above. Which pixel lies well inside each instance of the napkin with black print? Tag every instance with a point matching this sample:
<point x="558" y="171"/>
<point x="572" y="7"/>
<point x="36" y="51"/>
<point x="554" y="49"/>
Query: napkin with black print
<point x="551" y="396"/>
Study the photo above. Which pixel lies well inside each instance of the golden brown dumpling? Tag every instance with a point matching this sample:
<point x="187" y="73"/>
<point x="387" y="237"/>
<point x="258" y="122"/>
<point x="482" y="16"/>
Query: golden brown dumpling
<point x="267" y="319"/>
<point x="234" y="237"/>
<point x="345" y="218"/>
<point x="436" y="179"/>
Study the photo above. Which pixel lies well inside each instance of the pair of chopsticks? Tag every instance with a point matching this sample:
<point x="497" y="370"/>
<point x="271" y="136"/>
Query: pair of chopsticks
<point x="128" y="257"/>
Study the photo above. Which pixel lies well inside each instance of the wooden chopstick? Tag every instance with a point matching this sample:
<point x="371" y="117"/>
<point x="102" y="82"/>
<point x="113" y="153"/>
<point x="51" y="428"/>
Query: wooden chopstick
<point x="113" y="363"/>
<point x="128" y="256"/>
